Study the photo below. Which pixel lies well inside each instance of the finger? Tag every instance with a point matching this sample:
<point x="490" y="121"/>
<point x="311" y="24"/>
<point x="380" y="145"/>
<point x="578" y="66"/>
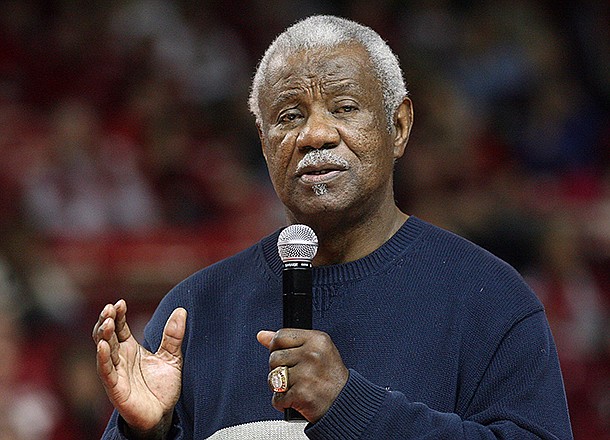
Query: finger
<point x="107" y="312"/>
<point x="291" y="399"/>
<point x="106" y="332"/>
<point x="122" y="329"/>
<point x="173" y="333"/>
<point x="113" y="342"/>
<point x="288" y="357"/>
<point x="265" y="337"/>
<point x="282" y="401"/>
<point x="105" y="367"/>
<point x="288" y="338"/>
<point x="285" y="346"/>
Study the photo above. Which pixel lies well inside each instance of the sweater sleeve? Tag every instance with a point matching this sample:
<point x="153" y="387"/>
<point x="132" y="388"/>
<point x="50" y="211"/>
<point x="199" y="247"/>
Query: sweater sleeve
<point x="112" y="431"/>
<point x="519" y="396"/>
<point x="116" y="429"/>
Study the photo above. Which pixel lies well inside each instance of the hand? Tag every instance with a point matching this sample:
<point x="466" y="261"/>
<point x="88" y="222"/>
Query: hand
<point x="316" y="373"/>
<point x="143" y="387"/>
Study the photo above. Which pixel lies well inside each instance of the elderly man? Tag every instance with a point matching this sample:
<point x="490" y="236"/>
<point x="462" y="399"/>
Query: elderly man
<point x="417" y="332"/>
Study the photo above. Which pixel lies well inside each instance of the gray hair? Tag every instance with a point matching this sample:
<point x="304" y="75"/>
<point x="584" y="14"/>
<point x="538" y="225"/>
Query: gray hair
<point x="321" y="31"/>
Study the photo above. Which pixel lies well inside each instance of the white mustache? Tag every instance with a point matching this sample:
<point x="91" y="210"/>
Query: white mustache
<point x="316" y="157"/>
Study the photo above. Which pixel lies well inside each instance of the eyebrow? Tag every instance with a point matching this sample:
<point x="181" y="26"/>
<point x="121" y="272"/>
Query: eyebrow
<point x="285" y="96"/>
<point x="337" y="87"/>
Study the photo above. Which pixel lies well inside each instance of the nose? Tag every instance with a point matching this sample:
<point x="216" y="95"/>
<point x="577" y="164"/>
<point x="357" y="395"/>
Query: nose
<point x="318" y="132"/>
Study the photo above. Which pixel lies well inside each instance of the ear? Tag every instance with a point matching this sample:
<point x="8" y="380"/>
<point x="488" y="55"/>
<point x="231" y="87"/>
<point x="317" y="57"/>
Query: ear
<point x="403" y="121"/>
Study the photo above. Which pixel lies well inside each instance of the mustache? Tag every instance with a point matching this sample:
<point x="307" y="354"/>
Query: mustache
<point x="317" y="157"/>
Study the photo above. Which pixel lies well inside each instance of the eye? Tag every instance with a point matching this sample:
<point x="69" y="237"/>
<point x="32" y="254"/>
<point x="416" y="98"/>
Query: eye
<point x="346" y="108"/>
<point x="288" y="116"/>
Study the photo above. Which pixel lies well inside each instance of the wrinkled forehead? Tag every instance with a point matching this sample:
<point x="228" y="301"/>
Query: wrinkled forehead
<point x="347" y="64"/>
<point x="310" y="60"/>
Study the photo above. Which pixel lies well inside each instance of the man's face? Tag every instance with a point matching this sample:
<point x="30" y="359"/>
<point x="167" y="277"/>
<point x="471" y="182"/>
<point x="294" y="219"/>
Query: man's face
<point x="324" y="133"/>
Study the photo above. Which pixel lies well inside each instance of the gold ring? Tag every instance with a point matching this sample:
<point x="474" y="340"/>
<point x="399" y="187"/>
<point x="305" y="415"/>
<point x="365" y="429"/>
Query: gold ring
<point x="278" y="379"/>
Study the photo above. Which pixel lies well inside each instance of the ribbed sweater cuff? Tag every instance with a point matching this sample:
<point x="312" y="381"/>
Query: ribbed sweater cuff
<point x="175" y="432"/>
<point x="352" y="411"/>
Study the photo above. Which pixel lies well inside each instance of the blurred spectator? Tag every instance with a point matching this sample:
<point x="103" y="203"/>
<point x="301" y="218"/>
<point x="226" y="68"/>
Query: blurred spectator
<point x="28" y="409"/>
<point x="202" y="54"/>
<point x="578" y="314"/>
<point x="85" y="406"/>
<point x="49" y="389"/>
<point x="49" y="392"/>
<point x="90" y="183"/>
<point x="20" y="142"/>
<point x="562" y="128"/>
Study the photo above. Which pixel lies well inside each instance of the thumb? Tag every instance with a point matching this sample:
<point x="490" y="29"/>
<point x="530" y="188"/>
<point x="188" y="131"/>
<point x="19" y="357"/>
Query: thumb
<point x="173" y="333"/>
<point x="265" y="337"/>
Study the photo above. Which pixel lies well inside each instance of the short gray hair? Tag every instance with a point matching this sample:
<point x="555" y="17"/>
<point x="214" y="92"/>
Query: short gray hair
<point x="321" y="31"/>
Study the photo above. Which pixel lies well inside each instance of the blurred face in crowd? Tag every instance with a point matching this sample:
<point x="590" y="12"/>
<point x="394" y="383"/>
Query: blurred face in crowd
<point x="324" y="133"/>
<point x="9" y="351"/>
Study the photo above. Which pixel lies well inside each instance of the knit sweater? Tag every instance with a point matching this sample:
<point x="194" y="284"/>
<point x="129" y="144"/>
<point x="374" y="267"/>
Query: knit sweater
<point x="442" y="341"/>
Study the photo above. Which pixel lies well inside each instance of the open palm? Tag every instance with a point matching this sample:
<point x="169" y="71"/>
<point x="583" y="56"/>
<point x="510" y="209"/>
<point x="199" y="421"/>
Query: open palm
<point x="143" y="386"/>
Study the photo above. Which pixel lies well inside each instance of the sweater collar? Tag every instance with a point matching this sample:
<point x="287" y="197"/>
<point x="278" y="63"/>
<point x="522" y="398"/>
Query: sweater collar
<point x="362" y="267"/>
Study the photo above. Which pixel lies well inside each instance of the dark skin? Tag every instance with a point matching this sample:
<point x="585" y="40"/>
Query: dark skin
<point x="333" y="101"/>
<point x="143" y="386"/>
<point x="319" y="99"/>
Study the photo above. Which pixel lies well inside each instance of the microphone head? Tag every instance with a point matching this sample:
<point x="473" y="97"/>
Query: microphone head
<point x="297" y="243"/>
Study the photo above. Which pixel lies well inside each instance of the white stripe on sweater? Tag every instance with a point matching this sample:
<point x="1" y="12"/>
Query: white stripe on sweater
<point x="267" y="430"/>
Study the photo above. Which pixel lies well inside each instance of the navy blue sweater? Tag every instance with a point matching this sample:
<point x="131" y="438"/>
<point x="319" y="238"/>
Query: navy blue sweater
<point x="442" y="339"/>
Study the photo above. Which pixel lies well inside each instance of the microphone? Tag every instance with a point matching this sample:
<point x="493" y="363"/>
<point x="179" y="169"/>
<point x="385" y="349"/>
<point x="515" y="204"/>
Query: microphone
<point x="297" y="245"/>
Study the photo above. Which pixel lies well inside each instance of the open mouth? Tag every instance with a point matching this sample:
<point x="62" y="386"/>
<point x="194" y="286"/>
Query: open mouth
<point x="320" y="166"/>
<point x="320" y="172"/>
<point x="319" y="176"/>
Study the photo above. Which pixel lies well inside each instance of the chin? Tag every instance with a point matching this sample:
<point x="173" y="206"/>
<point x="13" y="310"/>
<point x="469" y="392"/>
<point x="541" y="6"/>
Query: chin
<point x="306" y="202"/>
<point x="319" y="211"/>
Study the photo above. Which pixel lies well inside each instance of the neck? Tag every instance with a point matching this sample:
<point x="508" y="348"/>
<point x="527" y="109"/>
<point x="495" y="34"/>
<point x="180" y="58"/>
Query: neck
<point x="342" y="242"/>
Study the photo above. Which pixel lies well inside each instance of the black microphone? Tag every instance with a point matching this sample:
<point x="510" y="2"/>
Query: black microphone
<point x="297" y="245"/>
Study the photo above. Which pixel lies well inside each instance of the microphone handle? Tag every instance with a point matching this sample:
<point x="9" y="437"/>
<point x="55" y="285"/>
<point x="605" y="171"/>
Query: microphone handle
<point x="297" y="307"/>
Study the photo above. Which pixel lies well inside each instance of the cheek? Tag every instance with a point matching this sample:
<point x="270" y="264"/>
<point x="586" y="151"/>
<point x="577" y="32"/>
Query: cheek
<point x="370" y="146"/>
<point x="278" y="156"/>
<point x="375" y="157"/>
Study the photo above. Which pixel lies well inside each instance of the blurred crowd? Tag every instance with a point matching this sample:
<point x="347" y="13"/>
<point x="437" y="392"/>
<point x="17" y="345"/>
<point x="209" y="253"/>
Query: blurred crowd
<point x="129" y="160"/>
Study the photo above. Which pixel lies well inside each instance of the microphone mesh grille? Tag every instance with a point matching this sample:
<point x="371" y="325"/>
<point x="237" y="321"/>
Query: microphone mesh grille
<point x="297" y="242"/>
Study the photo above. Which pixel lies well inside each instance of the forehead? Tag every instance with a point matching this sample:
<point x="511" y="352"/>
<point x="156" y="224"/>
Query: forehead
<point x="344" y="67"/>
